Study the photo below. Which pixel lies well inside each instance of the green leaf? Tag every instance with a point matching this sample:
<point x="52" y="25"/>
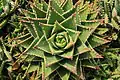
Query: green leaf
<point x="33" y="68"/>
<point x="69" y="23"/>
<point x="83" y="13"/>
<point x="101" y="31"/>
<point x="42" y="44"/>
<point x="38" y="29"/>
<point x="54" y="16"/>
<point x="85" y="33"/>
<point x="97" y="41"/>
<point x="115" y="24"/>
<point x="45" y="5"/>
<point x="69" y="12"/>
<point x="3" y="23"/>
<point x="63" y="73"/>
<point x="25" y="41"/>
<point x="31" y="45"/>
<point x="56" y="7"/>
<point x="54" y="49"/>
<point x="81" y="47"/>
<point x="35" y="52"/>
<point x="70" y="65"/>
<point x="68" y="53"/>
<point x="28" y="13"/>
<point x="47" y="29"/>
<point x="67" y="5"/>
<point x="39" y="13"/>
<point x="73" y="34"/>
<point x="46" y="71"/>
<point x="51" y="59"/>
<point x="57" y="28"/>
<point x="30" y="28"/>
<point x="93" y="15"/>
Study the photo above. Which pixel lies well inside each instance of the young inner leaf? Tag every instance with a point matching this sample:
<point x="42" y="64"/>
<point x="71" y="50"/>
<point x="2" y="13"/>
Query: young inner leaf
<point x="60" y="40"/>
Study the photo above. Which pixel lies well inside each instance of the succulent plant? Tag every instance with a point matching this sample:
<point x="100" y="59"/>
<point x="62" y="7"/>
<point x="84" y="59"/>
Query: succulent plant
<point x="63" y="36"/>
<point x="7" y="8"/>
<point x="110" y="13"/>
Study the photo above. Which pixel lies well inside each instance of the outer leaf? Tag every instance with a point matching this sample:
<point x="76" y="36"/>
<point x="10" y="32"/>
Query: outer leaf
<point x="67" y="5"/>
<point x="69" y="23"/>
<point x="42" y="44"/>
<point x="48" y="70"/>
<point x="64" y="74"/>
<point x="39" y="13"/>
<point x="54" y="16"/>
<point x="96" y="41"/>
<point x="70" y="65"/>
<point x="56" y="7"/>
<point x="51" y="59"/>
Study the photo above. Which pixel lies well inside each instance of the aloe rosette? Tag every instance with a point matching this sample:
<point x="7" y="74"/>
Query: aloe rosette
<point x="62" y="35"/>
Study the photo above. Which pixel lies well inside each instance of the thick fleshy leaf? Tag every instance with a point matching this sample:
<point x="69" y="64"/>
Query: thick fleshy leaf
<point x="58" y="2"/>
<point x="93" y="53"/>
<point x="69" y="12"/>
<point x="73" y="34"/>
<point x="85" y="33"/>
<point x="70" y="43"/>
<point x="93" y="15"/>
<point x="69" y="23"/>
<point x="38" y="29"/>
<point x="27" y="58"/>
<point x="41" y="20"/>
<point x="25" y="41"/>
<point x="70" y="65"/>
<point x="47" y="29"/>
<point x="80" y="70"/>
<point x="35" y="52"/>
<point x="91" y="23"/>
<point x="84" y="56"/>
<point x="42" y="44"/>
<point x="90" y="55"/>
<point x="56" y="7"/>
<point x="57" y="28"/>
<point x="39" y="13"/>
<point x="68" y="53"/>
<point x="97" y="41"/>
<point x="115" y="24"/>
<point x="45" y="5"/>
<point x="53" y="47"/>
<point x="101" y="31"/>
<point x="30" y="28"/>
<point x="51" y="59"/>
<point x="89" y="64"/>
<point x="31" y="45"/>
<point x="63" y="73"/>
<point x="83" y="13"/>
<point x="81" y="47"/>
<point x="46" y="71"/>
<point x="28" y="13"/>
<point x="68" y="4"/>
<point x="33" y="68"/>
<point x="54" y="16"/>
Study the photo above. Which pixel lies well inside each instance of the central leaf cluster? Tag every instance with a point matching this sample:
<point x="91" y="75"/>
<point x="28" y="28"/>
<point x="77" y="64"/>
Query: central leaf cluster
<point x="60" y="40"/>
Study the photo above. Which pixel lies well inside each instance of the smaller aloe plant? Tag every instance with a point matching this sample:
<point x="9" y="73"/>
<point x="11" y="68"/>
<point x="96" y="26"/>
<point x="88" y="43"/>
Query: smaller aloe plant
<point x="7" y="8"/>
<point x="110" y="12"/>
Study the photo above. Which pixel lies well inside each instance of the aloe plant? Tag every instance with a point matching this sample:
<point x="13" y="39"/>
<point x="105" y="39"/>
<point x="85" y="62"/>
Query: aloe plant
<point x="63" y="36"/>
<point x="7" y="8"/>
<point x="110" y="11"/>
